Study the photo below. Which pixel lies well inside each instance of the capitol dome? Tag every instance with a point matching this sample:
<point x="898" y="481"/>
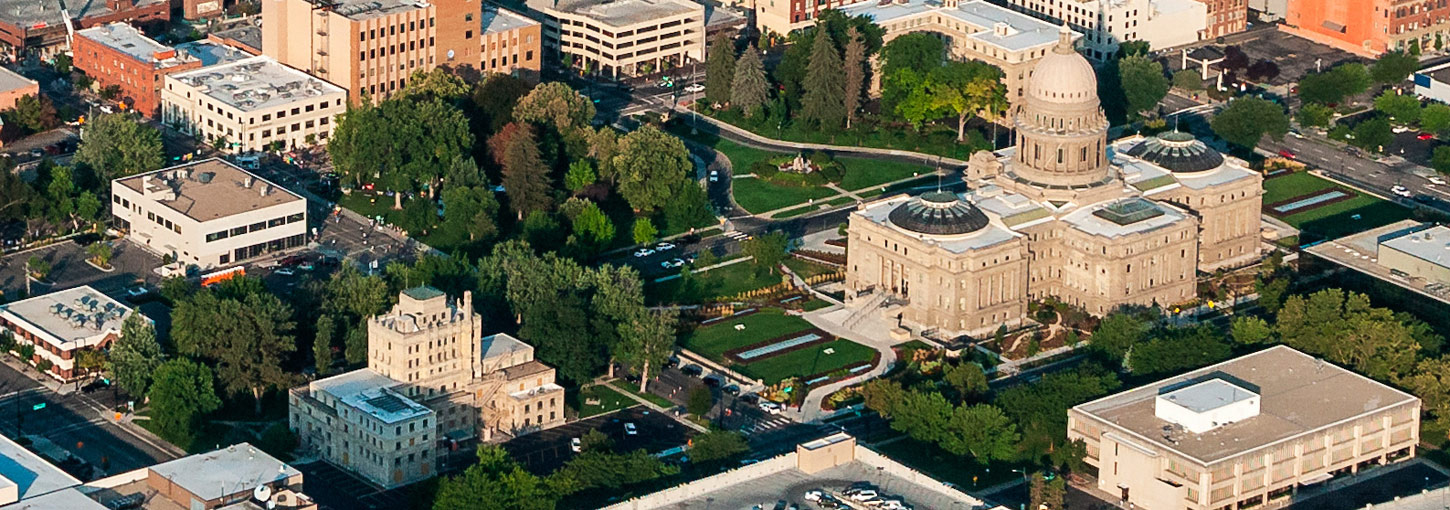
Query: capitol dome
<point x="1063" y="75"/>
<point x="938" y="213"/>
<point x="1177" y="152"/>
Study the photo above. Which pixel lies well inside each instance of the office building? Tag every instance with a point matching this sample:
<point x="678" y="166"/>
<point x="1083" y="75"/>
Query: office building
<point x="36" y="27"/>
<point x="432" y="379"/>
<point x="1246" y="432"/>
<point x="1421" y="252"/>
<point x="511" y="43"/>
<point x="13" y="86"/>
<point x="1225" y="17"/>
<point x="246" y="37"/>
<point x="61" y="324"/>
<point x="253" y="104"/>
<point x="208" y="213"/>
<point x="371" y="47"/>
<point x="1061" y="215"/>
<point x="1368" y="27"/>
<point x="623" y="38"/>
<point x="1106" y="24"/>
<point x="118" y="55"/>
<point x="1433" y="83"/>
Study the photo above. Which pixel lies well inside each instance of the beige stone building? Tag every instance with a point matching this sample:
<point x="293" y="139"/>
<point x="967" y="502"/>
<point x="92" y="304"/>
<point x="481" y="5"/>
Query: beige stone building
<point x="623" y="38"/>
<point x="433" y="379"/>
<point x="252" y="104"/>
<point x="1243" y="433"/>
<point x="1063" y="214"/>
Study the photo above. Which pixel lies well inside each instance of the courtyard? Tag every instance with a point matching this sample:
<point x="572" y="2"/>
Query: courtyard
<point x="1321" y="208"/>
<point x="770" y="345"/>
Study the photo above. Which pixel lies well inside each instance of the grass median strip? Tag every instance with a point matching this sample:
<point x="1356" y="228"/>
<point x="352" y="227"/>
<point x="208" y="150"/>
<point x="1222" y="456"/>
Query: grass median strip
<point x="625" y="386"/>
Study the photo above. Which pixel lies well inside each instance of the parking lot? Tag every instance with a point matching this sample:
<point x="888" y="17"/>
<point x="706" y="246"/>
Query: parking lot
<point x="131" y="263"/>
<point x="791" y="486"/>
<point x="1295" y="56"/>
<point x="544" y="451"/>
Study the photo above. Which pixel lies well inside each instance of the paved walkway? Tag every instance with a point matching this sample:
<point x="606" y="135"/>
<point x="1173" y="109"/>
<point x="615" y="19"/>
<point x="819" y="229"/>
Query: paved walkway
<point x="871" y="333"/>
<point x="656" y="408"/>
<point x="738" y="135"/>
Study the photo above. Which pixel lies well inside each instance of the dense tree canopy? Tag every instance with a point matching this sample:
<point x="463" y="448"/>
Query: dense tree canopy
<point x="243" y="331"/>
<point x="135" y="356"/>
<point x="118" y="145"/>
<point x="749" y="90"/>
<point x="403" y="145"/>
<point x="1144" y="84"/>
<point x="1401" y="108"/>
<point x="1247" y="119"/>
<point x="720" y="68"/>
<point x="824" y="101"/>
<point x="651" y="166"/>
<point x="181" y="394"/>
<point x="1344" y="328"/>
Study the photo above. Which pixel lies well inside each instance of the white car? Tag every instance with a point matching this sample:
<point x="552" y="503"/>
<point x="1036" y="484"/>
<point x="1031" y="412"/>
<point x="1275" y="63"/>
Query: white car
<point x="769" y="407"/>
<point x="714" y="176"/>
<point x="1401" y="191"/>
<point x="677" y="262"/>
<point x="286" y="271"/>
<point x="666" y="264"/>
<point x="664" y="247"/>
<point x="1437" y="180"/>
<point x="1400" y="129"/>
<point x="630" y="429"/>
<point x="865" y="495"/>
<point x="575" y="445"/>
<point x="813" y="495"/>
<point x="644" y="252"/>
<point x="695" y="87"/>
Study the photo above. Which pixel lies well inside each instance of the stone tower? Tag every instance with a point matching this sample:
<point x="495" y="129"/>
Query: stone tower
<point x="1062" y="133"/>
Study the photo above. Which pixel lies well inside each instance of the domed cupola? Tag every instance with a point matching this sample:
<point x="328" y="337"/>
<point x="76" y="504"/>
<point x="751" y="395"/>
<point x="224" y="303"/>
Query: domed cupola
<point x="1063" y="75"/>
<point x="1178" y="152"/>
<point x="938" y="213"/>
<point x="1062" y="133"/>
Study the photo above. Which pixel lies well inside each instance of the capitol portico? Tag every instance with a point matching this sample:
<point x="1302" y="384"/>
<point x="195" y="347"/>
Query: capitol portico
<point x="1063" y="214"/>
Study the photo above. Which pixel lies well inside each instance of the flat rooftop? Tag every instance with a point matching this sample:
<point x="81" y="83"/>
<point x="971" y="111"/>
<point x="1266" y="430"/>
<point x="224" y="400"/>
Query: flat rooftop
<point x="11" y="80"/>
<point x="67" y="499"/>
<point x="1021" y="31"/>
<point x="1431" y="245"/>
<point x="215" y="189"/>
<point x="236" y="468"/>
<point x="367" y="391"/>
<point x="1111" y="219"/>
<point x="29" y="473"/>
<point x="622" y="13"/>
<point x="496" y="19"/>
<point x="30" y="13"/>
<point x="500" y="344"/>
<point x="1208" y="395"/>
<point x="1300" y="394"/>
<point x="368" y="9"/>
<point x="211" y="53"/>
<point x="879" y="212"/>
<point x="130" y="41"/>
<point x="256" y="83"/>
<point x="70" y="318"/>
<point x="246" y="35"/>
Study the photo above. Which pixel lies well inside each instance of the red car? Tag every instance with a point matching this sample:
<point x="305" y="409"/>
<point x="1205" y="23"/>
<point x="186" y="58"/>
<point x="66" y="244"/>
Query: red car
<point x="1426" y="136"/>
<point x="1286" y="153"/>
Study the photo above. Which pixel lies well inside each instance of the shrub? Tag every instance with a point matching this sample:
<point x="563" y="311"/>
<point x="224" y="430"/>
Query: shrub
<point x="764" y="169"/>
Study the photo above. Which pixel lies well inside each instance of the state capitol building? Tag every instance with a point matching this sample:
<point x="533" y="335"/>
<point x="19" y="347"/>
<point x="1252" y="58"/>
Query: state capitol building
<point x="1063" y="214"/>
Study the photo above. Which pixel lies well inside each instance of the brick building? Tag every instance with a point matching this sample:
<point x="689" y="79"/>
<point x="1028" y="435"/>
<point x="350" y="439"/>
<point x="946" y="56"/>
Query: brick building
<point x="1369" y="27"/>
<point x="62" y="323"/>
<point x="36" y="26"/>
<point x="510" y="43"/>
<point x="13" y="86"/>
<point x="1225" y="17"/>
<point x="120" y="55"/>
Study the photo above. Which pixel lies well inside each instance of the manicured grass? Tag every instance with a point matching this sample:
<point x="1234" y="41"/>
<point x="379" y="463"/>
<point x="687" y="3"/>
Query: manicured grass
<point x="712" y="341"/>
<point x="1284" y="187"/>
<point x="1332" y="220"/>
<point x="758" y="196"/>
<point x="705" y="286"/>
<point x="946" y="467"/>
<point x="627" y="387"/>
<point x="809" y="361"/>
<point x="938" y="139"/>
<point x="842" y="200"/>
<point x="815" y="304"/>
<point x="806" y="268"/>
<point x="609" y="400"/>
<point x="791" y="213"/>
<point x="863" y="173"/>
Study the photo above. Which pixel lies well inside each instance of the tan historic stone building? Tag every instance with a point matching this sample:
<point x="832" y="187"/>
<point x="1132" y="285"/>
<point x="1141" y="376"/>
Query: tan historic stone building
<point x="1063" y="214"/>
<point x="433" y="379"/>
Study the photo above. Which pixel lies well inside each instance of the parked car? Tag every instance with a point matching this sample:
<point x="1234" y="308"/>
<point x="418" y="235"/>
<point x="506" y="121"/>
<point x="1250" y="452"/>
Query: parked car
<point x="769" y="407"/>
<point x="678" y="262"/>
<point x="714" y="176"/>
<point x="692" y="370"/>
<point x="864" y="495"/>
<point x="733" y="389"/>
<point x="1401" y="191"/>
<point x="664" y="247"/>
<point x="1295" y="133"/>
<point x="1436" y="180"/>
<point x="695" y="87"/>
<point x="575" y="445"/>
<point x="1425" y="136"/>
<point x="714" y="380"/>
<point x="286" y="271"/>
<point x="1286" y="153"/>
<point x="630" y="429"/>
<point x="644" y="252"/>
<point x="1400" y="129"/>
<point x="813" y="495"/>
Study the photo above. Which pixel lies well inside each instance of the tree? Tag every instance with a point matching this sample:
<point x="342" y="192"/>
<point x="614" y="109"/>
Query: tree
<point x="1435" y="118"/>
<point x="1188" y="79"/>
<point x="403" y="145"/>
<point x="525" y="176"/>
<point x="650" y="167"/>
<point x="1143" y="83"/>
<point x="720" y="69"/>
<point x="1318" y="115"/>
<point x="750" y="90"/>
<point x="439" y="83"/>
<point x="322" y="344"/>
<point x="1040" y="410"/>
<point x="958" y="88"/>
<point x="1117" y="333"/>
<point x="1174" y="351"/>
<point x="580" y="175"/>
<point x="119" y="145"/>
<point x="1344" y="328"/>
<point x="592" y="227"/>
<point x="1440" y="159"/>
<point x="1431" y="382"/>
<point x="494" y="100"/>
<point x="607" y="470"/>
<point x="700" y="402"/>
<point x="1334" y="85"/>
<point x="471" y="209"/>
<point x="918" y="51"/>
<point x="982" y="432"/>
<point x="1374" y="134"/>
<point x="644" y="231"/>
<point x="854" y="61"/>
<point x="1048" y="494"/>
<point x="100" y="253"/>
<point x="34" y="113"/>
<point x="1393" y="67"/>
<point x="1247" y="119"/>
<point x="556" y="105"/>
<point x="646" y="342"/>
<point x="967" y="378"/>
<point x="768" y="250"/>
<point x="37" y="267"/>
<point x="1249" y="330"/>
<point x="355" y="348"/>
<point x="690" y="208"/>
<point x="496" y="482"/>
<point x="716" y="445"/>
<point x="180" y="395"/>
<point x="823" y="103"/>
<point x="1263" y="70"/>
<point x="1403" y="109"/>
<point x="135" y="356"/>
<point x="243" y="331"/>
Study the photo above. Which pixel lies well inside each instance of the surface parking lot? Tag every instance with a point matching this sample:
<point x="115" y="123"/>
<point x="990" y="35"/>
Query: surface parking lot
<point x="791" y="486"/>
<point x="544" y="451"/>
<point x="1295" y="56"/>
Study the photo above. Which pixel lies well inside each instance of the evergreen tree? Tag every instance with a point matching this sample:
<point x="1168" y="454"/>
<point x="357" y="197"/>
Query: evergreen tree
<point x="750" y="90"/>
<point x="720" y="69"/>
<point x="322" y="344"/>
<point x="823" y="102"/>
<point x="855" y="62"/>
<point x="525" y="176"/>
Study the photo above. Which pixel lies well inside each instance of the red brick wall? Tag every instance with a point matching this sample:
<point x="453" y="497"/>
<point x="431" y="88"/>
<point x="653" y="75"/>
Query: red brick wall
<point x="140" y="82"/>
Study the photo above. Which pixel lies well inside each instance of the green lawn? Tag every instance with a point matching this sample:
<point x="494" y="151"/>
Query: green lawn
<point x="1284" y="187"/>
<point x="625" y="386"/>
<point x="806" y="268"/>
<point x="809" y="361"/>
<point x="712" y="341"/>
<point x="1332" y="220"/>
<point x="705" y="286"/>
<point x="815" y="304"/>
<point x="791" y="213"/>
<point x="609" y="400"/>
<point x="758" y="196"/>
<point x="937" y="139"/>
<point x="864" y="173"/>
<point x="842" y="200"/>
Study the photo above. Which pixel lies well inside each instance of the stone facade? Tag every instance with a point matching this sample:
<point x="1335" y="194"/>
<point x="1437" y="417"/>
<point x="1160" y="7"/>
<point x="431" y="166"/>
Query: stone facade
<point x="1062" y="215"/>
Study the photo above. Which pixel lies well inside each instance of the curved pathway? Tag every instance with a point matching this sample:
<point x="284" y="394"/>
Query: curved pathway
<point x="828" y="320"/>
<point x="745" y="137"/>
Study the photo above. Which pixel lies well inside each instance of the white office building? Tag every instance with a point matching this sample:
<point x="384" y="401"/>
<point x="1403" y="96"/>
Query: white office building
<point x="252" y="103"/>
<point x="1106" y="24"/>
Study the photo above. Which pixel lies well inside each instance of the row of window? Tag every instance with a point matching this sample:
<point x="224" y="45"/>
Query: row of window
<point x="394" y="29"/>
<point x="259" y="249"/>
<point x="255" y="227"/>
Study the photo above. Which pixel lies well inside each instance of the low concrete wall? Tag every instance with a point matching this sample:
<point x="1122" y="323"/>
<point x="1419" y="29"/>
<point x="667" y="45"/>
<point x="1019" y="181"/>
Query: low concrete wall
<point x="899" y="470"/>
<point x="705" y="486"/>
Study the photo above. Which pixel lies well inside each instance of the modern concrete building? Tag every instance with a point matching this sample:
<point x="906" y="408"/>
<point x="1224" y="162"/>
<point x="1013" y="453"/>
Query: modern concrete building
<point x="1433" y="83"/>
<point x="119" y="55"/>
<point x="208" y="213"/>
<point x="511" y="43"/>
<point x="36" y="27"/>
<point x="63" y="323"/>
<point x="1368" y="27"/>
<point x="1105" y="24"/>
<point x="1061" y="215"/>
<point x="13" y="86"/>
<point x="252" y="104"/>
<point x="1245" y="432"/>
<point x="623" y="38"/>
<point x="1423" y="252"/>
<point x="971" y="30"/>
<point x="432" y="379"/>
<point x="371" y="48"/>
